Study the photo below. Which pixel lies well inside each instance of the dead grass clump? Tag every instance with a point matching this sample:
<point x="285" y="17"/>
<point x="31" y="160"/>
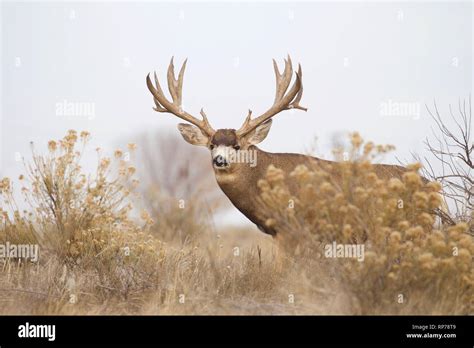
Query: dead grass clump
<point x="96" y="258"/>
<point x="409" y="265"/>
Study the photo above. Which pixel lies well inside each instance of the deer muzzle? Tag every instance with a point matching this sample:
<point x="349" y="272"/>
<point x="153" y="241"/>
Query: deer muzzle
<point x="220" y="161"/>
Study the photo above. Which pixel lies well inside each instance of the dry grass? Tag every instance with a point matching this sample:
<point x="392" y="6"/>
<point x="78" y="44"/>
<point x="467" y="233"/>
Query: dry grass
<point x="96" y="259"/>
<point x="411" y="264"/>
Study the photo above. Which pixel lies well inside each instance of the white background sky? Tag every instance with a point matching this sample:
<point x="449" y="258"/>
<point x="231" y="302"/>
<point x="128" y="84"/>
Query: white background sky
<point x="355" y="56"/>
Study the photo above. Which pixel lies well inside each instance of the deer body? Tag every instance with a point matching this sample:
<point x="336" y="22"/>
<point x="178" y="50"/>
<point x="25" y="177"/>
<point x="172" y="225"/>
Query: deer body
<point x="241" y="185"/>
<point x="239" y="179"/>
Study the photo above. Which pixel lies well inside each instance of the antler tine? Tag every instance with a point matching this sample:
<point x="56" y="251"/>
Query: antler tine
<point x="283" y="100"/>
<point x="296" y="103"/>
<point x="247" y="120"/>
<point x="175" y="87"/>
<point x="180" y="81"/>
<point x="158" y="90"/>
<point x="204" y="118"/>
<point x="282" y="80"/>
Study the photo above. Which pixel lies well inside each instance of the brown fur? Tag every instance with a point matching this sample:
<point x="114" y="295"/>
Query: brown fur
<point x="240" y="182"/>
<point x="226" y="137"/>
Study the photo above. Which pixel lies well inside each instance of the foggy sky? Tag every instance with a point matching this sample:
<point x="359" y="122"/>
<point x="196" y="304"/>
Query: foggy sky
<point x="363" y="63"/>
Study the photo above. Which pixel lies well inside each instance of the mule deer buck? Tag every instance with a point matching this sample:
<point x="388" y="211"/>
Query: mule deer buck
<point x="238" y="179"/>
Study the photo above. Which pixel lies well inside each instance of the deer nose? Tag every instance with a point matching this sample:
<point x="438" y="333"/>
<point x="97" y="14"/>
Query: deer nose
<point x="220" y="161"/>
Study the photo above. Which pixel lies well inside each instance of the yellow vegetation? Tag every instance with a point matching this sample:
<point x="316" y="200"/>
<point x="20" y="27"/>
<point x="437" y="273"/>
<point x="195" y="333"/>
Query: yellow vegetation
<point x="98" y="256"/>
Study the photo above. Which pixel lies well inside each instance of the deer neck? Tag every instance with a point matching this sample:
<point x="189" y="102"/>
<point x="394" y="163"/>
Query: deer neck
<point x="241" y="181"/>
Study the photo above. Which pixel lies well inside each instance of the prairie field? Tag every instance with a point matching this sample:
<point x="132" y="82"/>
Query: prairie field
<point x="140" y="240"/>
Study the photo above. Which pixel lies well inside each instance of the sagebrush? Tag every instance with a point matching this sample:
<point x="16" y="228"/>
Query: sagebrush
<point x="100" y="254"/>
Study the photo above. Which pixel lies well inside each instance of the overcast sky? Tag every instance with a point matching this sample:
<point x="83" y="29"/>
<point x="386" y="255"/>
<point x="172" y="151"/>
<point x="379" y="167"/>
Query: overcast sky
<point x="362" y="62"/>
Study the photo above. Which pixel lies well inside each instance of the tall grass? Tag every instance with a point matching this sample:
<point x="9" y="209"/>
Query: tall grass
<point x="411" y="263"/>
<point x="97" y="257"/>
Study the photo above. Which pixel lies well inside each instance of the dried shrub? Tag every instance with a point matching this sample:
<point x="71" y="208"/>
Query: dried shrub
<point x="95" y="257"/>
<point x="451" y="163"/>
<point x="405" y="254"/>
<point x="80" y="219"/>
<point x="178" y="187"/>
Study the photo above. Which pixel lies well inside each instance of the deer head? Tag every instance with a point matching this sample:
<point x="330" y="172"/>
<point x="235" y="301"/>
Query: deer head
<point x="224" y="143"/>
<point x="237" y="180"/>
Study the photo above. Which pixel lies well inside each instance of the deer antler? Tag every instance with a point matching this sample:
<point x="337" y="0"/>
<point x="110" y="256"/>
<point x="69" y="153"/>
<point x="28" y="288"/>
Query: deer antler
<point x="283" y="100"/>
<point x="175" y="88"/>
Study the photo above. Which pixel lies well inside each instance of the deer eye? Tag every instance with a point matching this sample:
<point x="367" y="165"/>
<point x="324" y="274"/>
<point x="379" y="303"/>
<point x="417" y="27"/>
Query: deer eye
<point x="237" y="147"/>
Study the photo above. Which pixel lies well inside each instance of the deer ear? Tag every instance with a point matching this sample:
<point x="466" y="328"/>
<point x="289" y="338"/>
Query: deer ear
<point x="259" y="133"/>
<point x="192" y="134"/>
